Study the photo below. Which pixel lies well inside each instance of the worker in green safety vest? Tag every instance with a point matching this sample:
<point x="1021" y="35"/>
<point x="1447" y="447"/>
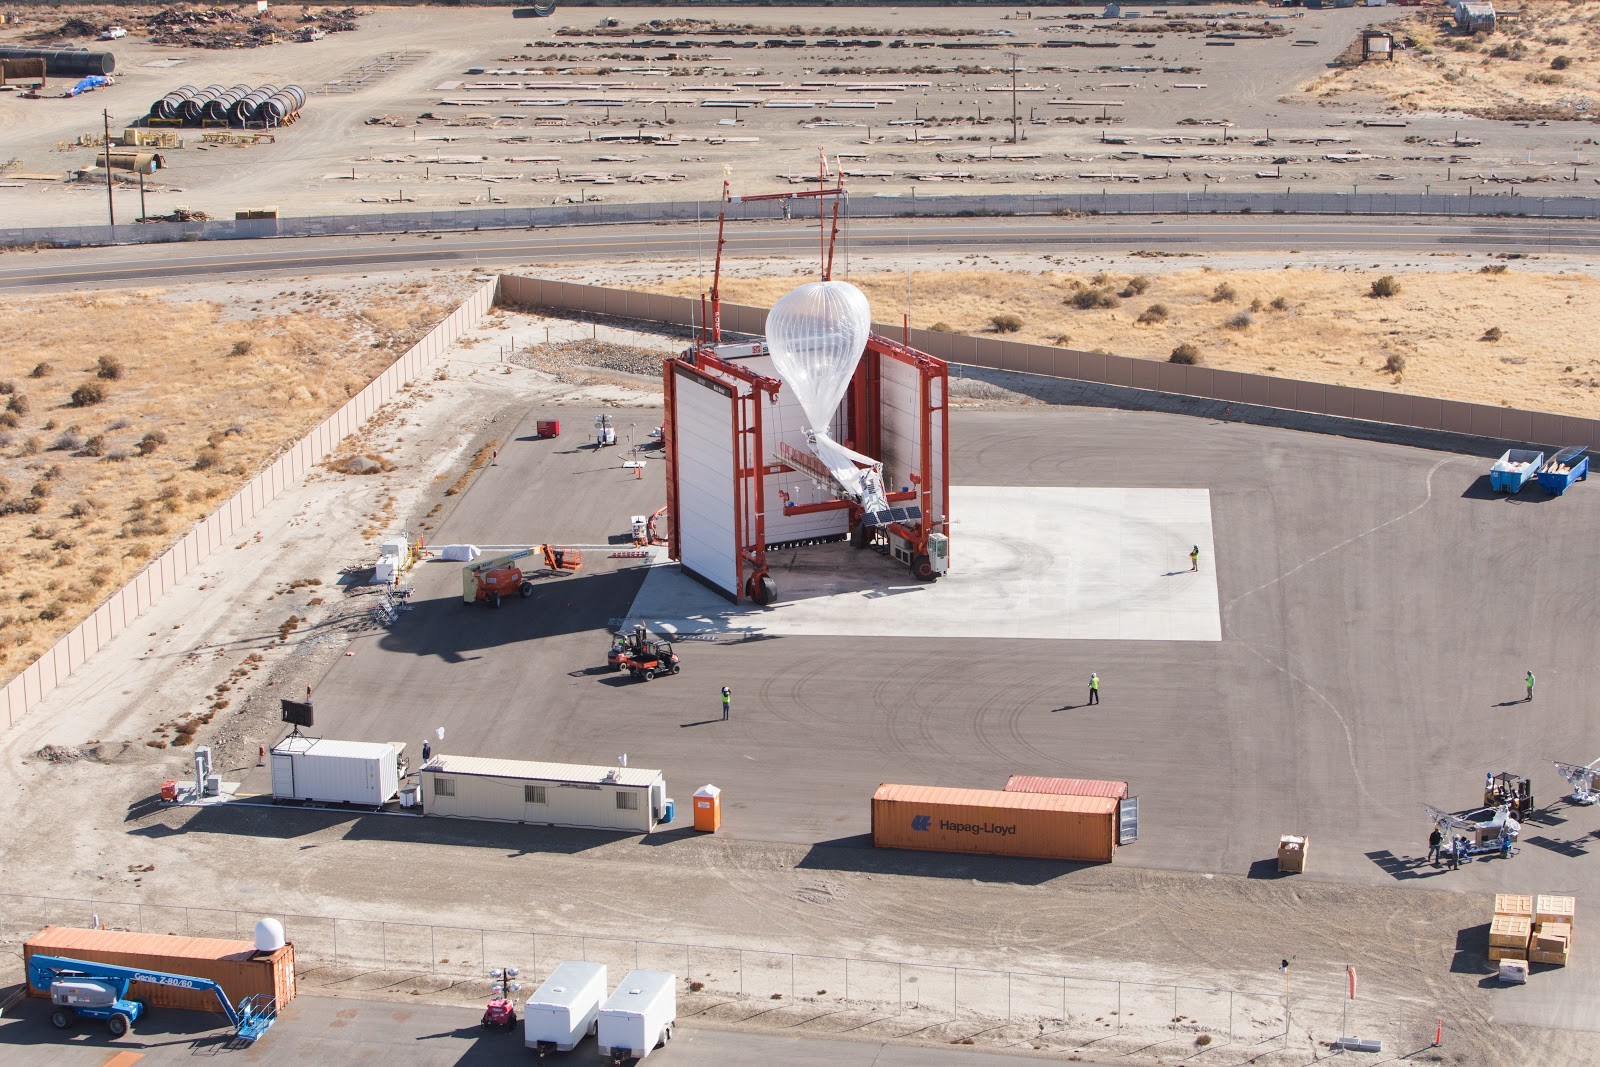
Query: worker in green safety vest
<point x="1094" y="688"/>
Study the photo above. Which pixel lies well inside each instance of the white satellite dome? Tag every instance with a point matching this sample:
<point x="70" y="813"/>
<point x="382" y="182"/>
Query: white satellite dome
<point x="816" y="334"/>
<point x="269" y="935"/>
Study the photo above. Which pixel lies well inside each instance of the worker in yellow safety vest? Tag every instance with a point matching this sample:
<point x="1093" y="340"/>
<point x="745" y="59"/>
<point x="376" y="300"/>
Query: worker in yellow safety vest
<point x="1094" y="688"/>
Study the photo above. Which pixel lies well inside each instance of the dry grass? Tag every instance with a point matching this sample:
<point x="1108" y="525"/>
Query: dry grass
<point x="1535" y="67"/>
<point x="1326" y="328"/>
<point x="90" y="493"/>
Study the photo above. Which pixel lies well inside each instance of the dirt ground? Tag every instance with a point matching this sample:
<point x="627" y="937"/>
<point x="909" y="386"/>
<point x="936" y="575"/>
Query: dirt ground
<point x="1492" y="333"/>
<point x="424" y="109"/>
<point x="197" y="389"/>
<point x="1538" y="64"/>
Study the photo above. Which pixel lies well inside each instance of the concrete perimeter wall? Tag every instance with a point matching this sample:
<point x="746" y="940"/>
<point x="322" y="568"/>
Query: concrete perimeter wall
<point x="992" y="205"/>
<point x="222" y="526"/>
<point x="1367" y="405"/>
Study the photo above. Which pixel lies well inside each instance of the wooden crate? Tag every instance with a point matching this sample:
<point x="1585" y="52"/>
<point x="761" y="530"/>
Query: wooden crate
<point x="1514" y="904"/>
<point x="1555" y="909"/>
<point x="1510" y="931"/>
<point x="1292" y="851"/>
<point x="1551" y="937"/>
<point x="1508" y="952"/>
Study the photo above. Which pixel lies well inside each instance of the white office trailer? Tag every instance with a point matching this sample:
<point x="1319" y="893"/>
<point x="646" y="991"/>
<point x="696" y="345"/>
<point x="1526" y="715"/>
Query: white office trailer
<point x="547" y="794"/>
<point x="638" y="1018"/>
<point x="335" y="772"/>
<point x="565" y="1009"/>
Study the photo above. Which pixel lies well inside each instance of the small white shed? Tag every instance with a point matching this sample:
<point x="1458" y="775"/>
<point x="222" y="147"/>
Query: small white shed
<point x="549" y="794"/>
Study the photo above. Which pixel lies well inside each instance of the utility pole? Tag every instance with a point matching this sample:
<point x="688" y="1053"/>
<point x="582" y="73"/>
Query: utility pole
<point x="142" y="212"/>
<point x="111" y="207"/>
<point x="1013" y="97"/>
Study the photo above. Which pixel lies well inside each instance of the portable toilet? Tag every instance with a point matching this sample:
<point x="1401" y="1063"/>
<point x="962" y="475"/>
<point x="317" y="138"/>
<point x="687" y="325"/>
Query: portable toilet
<point x="708" y="809"/>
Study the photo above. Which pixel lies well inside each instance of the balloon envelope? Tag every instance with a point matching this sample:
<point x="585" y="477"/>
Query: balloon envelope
<point x="816" y="335"/>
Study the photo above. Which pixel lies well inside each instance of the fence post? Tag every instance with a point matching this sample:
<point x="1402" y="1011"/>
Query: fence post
<point x="1008" y="996"/>
<point x="1174" y="1007"/>
<point x="433" y="951"/>
<point x="483" y="954"/>
<point x="336" y="942"/>
<point x="955" y="991"/>
<point x="900" y="981"/>
<point x="741" y="972"/>
<point x="847" y="981"/>
<point x="383" y="936"/>
<point x="1230" y="1016"/>
<point x="1119" y="1005"/>
<point x="791" y="976"/>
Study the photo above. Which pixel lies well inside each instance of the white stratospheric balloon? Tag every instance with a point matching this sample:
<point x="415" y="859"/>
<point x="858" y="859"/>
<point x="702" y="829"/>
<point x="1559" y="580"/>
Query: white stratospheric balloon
<point x="816" y="335"/>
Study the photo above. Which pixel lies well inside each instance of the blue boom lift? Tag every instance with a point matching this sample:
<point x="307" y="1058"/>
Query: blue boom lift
<point x="100" y="991"/>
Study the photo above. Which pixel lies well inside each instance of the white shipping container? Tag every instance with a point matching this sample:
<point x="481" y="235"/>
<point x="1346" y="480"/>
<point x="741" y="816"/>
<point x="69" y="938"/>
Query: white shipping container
<point x="639" y="1016"/>
<point x="565" y="1009"/>
<point x="335" y="772"/>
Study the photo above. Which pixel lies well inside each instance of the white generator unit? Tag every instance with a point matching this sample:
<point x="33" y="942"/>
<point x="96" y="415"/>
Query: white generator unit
<point x="566" y="1008"/>
<point x="335" y="772"/>
<point x="638" y="1018"/>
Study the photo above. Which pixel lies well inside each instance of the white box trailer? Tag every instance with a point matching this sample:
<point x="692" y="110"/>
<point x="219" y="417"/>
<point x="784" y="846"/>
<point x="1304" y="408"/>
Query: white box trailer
<point x="638" y="1018"/>
<point x="335" y="772"/>
<point x="566" y="1008"/>
<point x="632" y="799"/>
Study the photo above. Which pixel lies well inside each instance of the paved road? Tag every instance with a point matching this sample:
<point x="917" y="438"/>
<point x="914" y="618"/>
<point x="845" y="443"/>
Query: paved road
<point x="69" y="268"/>
<point x="320" y="1030"/>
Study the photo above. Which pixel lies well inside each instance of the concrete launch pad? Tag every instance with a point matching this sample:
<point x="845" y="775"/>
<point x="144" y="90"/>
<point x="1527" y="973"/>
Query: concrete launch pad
<point x="1047" y="563"/>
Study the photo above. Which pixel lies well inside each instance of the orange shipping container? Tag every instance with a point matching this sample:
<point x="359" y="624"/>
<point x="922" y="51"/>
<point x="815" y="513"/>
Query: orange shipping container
<point x="994" y="822"/>
<point x="1070" y="787"/>
<point x="234" y="965"/>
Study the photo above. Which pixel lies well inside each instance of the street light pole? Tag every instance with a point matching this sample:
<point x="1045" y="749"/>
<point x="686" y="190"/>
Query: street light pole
<point x="111" y="207"/>
<point x="1013" y="97"/>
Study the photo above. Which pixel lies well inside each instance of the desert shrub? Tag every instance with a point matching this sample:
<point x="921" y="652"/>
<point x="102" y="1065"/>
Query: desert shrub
<point x="116" y="455"/>
<point x="8" y="419"/>
<point x="1561" y="63"/>
<point x="1547" y="77"/>
<point x="1005" y="323"/>
<point x="94" y="446"/>
<point x="88" y="394"/>
<point x="1137" y="285"/>
<point x="40" y="490"/>
<point x="1240" y="320"/>
<point x="942" y="327"/>
<point x="1491" y="334"/>
<point x="50" y="613"/>
<point x="241" y="348"/>
<point x="1492" y="268"/>
<point x="18" y="403"/>
<point x="1152" y="314"/>
<point x="207" y="458"/>
<point x="108" y="368"/>
<point x="41" y="370"/>
<point x="31" y="446"/>
<point x="1186" y="354"/>
<point x="150" y="442"/>
<point x="120" y="424"/>
<point x="83" y="509"/>
<point x="1395" y="363"/>
<point x="1384" y="287"/>
<point x="1224" y="294"/>
<point x="68" y="441"/>
<point x="1258" y="305"/>
<point x="1090" y="298"/>
<point x="1279" y="303"/>
<point x="7" y="387"/>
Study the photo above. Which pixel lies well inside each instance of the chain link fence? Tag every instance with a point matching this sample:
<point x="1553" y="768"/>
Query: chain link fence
<point x="1105" y="202"/>
<point x="880" y="986"/>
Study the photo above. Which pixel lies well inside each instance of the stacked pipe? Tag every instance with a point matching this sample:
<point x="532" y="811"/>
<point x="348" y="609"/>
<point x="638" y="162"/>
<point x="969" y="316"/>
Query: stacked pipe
<point x="218" y="109"/>
<point x="167" y="107"/>
<point x="192" y="109"/>
<point x="280" y="105"/>
<point x="245" y="108"/>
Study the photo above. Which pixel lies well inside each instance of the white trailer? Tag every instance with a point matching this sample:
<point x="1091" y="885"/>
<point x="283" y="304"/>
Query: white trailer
<point x="566" y="1008"/>
<point x="630" y="799"/>
<point x="638" y="1018"/>
<point x="335" y="772"/>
